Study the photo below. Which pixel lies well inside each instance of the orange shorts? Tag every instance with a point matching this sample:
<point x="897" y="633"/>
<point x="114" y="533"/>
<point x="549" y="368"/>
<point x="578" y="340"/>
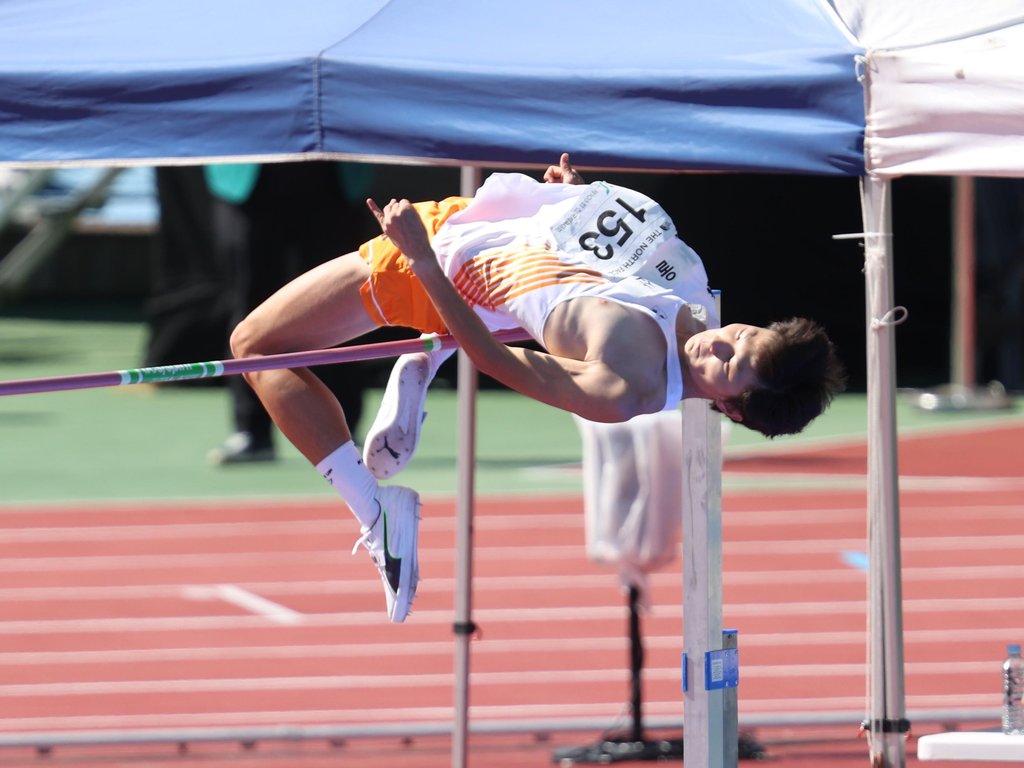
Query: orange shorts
<point x="392" y="295"/>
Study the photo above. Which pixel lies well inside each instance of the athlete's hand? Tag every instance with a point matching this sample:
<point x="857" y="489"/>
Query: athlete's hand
<point x="563" y="173"/>
<point x="401" y="224"/>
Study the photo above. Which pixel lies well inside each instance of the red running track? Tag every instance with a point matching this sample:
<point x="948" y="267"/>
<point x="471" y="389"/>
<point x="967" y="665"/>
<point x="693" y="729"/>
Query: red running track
<point x="227" y="615"/>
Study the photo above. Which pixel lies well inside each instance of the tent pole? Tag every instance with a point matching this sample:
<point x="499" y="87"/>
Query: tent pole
<point x="962" y="354"/>
<point x="466" y="466"/>
<point x="887" y="724"/>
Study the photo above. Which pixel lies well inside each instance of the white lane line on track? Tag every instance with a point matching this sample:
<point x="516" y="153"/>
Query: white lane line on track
<point x="342" y="526"/>
<point x="732" y="611"/>
<point x="576" y="583"/>
<point x="1004" y="543"/>
<point x="478" y="713"/>
<point x="497" y="713"/>
<point x="822" y="481"/>
<point x="483" y="648"/>
<point x="734" y="520"/>
<point x="443" y="714"/>
<point x="977" y="484"/>
<point x="247" y="601"/>
<point x="804" y="444"/>
<point x="266" y="559"/>
<point x="309" y="683"/>
<point x="518" y="678"/>
<point x="12" y="528"/>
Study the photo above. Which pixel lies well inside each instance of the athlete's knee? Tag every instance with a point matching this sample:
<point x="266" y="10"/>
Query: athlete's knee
<point x="246" y="339"/>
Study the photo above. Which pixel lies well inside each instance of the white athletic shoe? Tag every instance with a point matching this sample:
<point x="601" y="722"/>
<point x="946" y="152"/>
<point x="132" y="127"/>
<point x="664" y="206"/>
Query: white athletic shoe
<point x="391" y="541"/>
<point x="394" y="435"/>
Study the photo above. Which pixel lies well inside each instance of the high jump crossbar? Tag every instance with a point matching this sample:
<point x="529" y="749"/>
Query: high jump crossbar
<point x="216" y="368"/>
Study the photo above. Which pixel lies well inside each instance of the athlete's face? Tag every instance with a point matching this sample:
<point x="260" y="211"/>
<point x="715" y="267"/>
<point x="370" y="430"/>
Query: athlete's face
<point x="722" y="362"/>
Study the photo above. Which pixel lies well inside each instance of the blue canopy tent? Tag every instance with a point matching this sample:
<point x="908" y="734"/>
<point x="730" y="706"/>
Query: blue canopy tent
<point x="721" y="86"/>
<point x="731" y="85"/>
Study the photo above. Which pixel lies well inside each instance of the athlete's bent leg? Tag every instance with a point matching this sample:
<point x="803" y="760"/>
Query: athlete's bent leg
<point x="320" y="309"/>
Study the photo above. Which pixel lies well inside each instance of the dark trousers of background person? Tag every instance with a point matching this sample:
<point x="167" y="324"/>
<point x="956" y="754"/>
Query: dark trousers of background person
<point x="1000" y="281"/>
<point x="189" y="306"/>
<point x="297" y="216"/>
<point x="220" y="260"/>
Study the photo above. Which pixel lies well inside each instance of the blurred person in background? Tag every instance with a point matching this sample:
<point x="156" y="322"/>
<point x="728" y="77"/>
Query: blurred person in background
<point x="231" y="235"/>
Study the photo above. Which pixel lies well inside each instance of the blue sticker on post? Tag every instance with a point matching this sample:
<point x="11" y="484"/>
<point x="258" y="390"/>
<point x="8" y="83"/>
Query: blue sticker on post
<point x="721" y="669"/>
<point x="686" y="675"/>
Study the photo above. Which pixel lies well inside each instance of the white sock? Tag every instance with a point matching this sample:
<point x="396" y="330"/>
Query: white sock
<point x="344" y="469"/>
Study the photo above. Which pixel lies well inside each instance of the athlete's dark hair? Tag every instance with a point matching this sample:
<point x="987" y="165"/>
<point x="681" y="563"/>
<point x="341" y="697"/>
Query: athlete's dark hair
<point x="799" y="375"/>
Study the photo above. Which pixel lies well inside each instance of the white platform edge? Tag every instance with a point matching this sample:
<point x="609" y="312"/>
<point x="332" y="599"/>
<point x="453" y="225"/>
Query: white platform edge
<point x="971" y="745"/>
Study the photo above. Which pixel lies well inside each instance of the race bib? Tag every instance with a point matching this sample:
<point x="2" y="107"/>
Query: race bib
<point x="612" y="229"/>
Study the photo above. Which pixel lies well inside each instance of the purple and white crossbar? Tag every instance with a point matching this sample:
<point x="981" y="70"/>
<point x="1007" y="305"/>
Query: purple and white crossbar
<point x="241" y="365"/>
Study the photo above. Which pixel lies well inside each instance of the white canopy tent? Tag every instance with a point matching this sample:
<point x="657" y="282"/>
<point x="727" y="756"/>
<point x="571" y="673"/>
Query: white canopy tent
<point x="944" y="95"/>
<point x="944" y="85"/>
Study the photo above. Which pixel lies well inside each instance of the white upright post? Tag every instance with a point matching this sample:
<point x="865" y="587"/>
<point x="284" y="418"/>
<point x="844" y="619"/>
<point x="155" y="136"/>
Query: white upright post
<point x="466" y="466"/>
<point x="887" y="723"/>
<point x="702" y="581"/>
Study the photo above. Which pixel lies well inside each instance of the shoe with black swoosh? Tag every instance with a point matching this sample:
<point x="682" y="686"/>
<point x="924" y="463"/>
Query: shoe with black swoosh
<point x="391" y="541"/>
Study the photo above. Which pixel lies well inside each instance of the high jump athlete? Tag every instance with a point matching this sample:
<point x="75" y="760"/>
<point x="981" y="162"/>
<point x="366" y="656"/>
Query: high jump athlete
<point x="585" y="270"/>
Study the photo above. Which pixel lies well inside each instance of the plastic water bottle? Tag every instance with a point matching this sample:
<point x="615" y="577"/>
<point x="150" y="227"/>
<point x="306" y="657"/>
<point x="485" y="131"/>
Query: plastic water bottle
<point x="1013" y="689"/>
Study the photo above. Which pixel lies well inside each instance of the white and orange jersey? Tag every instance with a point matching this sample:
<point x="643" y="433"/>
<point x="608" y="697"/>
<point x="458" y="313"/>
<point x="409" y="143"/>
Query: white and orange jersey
<point x="504" y="255"/>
